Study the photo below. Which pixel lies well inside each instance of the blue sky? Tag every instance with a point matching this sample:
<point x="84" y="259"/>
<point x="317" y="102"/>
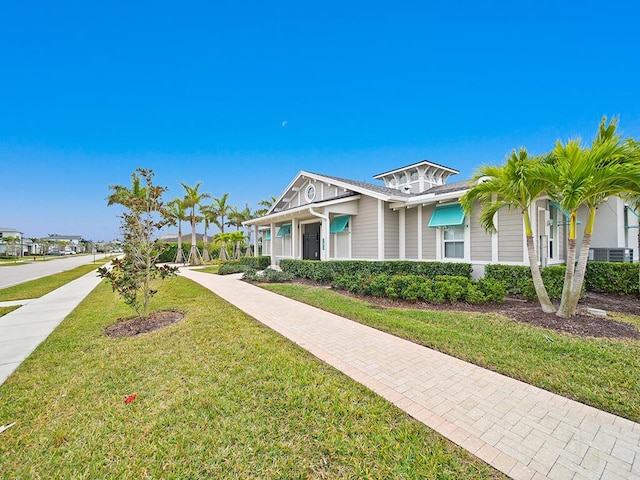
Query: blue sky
<point x="201" y="91"/>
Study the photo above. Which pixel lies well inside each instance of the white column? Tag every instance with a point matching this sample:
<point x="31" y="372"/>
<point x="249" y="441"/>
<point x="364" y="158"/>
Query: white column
<point x="272" y="244"/>
<point x="494" y="236"/>
<point x="420" y="231"/>
<point x="380" y="230"/>
<point x="325" y="236"/>
<point x="402" y="233"/>
<point x="294" y="237"/>
<point x="255" y="241"/>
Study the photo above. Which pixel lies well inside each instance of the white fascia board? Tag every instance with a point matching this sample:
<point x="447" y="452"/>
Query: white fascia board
<point x="292" y="211"/>
<point x="428" y="199"/>
<point x="355" y="188"/>
<point x="301" y="173"/>
<point x="415" y="165"/>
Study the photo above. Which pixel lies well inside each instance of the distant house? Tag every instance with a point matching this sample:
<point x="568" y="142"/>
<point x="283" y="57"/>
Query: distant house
<point x="11" y="242"/>
<point x="416" y="215"/>
<point x="65" y="243"/>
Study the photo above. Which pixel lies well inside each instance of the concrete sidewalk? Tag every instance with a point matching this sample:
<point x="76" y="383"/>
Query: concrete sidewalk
<point x="22" y="330"/>
<point x="523" y="431"/>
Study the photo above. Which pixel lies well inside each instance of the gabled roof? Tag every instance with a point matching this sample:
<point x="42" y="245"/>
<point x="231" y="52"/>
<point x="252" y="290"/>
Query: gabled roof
<point x="369" y="187"/>
<point x="450" y="187"/>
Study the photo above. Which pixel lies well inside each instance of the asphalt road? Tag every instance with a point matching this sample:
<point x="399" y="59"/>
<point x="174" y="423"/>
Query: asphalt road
<point x="16" y="274"/>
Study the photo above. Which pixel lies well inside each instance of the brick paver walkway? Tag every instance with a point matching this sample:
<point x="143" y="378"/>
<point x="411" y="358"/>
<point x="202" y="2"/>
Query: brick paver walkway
<point x="521" y="430"/>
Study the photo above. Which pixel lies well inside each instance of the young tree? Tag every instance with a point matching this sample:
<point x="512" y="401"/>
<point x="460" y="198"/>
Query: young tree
<point x="192" y="199"/>
<point x="510" y="185"/>
<point x="135" y="275"/>
<point x="221" y="210"/>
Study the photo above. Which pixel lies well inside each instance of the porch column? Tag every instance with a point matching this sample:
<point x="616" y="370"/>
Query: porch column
<point x="255" y="241"/>
<point x="272" y="250"/>
<point x="402" y="234"/>
<point x="420" y="232"/>
<point x="294" y="237"/>
<point x="325" y="239"/>
<point x="380" y="229"/>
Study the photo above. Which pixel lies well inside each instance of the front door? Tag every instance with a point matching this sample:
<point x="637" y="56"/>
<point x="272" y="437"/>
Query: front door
<point x="311" y="242"/>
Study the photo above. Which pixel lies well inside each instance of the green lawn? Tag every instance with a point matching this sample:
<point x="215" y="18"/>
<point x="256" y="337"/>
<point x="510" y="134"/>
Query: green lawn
<point x="219" y="395"/>
<point x="44" y="285"/>
<point x="603" y="373"/>
<point x="5" y="310"/>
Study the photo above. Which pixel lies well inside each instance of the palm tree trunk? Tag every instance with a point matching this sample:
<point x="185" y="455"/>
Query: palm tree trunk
<point x="538" y="284"/>
<point x="564" y="310"/>
<point x="179" y="252"/>
<point x="194" y="254"/>
<point x="205" y="246"/>
<point x="583" y="258"/>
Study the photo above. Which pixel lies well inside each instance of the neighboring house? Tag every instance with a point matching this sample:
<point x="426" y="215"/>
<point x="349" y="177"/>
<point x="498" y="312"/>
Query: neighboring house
<point x="11" y="242"/>
<point x="65" y="243"/>
<point x="416" y="216"/>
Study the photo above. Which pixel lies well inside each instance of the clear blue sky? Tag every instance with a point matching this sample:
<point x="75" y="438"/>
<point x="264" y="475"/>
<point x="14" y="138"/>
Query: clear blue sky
<point x="200" y="91"/>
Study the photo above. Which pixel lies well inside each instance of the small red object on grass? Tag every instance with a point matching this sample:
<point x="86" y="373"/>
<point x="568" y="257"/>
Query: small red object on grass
<point x="130" y="398"/>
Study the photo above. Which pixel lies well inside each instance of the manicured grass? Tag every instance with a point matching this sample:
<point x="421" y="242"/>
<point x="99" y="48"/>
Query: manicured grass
<point x="42" y="286"/>
<point x="219" y="395"/>
<point x="603" y="373"/>
<point x="210" y="269"/>
<point x="5" y="310"/>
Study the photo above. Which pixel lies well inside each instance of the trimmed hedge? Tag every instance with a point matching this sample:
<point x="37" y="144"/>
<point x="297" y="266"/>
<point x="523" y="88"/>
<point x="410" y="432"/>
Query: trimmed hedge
<point x="517" y="279"/>
<point x="440" y="289"/>
<point x="256" y="263"/>
<point x="232" y="266"/>
<point x="169" y="254"/>
<point x="325" y="272"/>
<point x="269" y="275"/>
<point x="608" y="277"/>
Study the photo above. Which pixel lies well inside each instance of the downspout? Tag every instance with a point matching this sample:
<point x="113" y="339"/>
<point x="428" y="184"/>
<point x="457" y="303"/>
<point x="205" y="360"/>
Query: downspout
<point x="324" y="254"/>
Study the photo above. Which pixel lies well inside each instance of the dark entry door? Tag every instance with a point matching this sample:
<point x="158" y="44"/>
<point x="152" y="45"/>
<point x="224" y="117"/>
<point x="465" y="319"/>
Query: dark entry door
<point x="311" y="242"/>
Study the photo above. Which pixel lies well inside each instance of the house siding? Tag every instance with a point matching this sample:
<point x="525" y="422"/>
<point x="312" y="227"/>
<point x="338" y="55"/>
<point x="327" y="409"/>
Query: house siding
<point x="411" y="233"/>
<point x="428" y="234"/>
<point x="480" y="239"/>
<point x="391" y="233"/>
<point x="510" y="236"/>
<point x="364" y="228"/>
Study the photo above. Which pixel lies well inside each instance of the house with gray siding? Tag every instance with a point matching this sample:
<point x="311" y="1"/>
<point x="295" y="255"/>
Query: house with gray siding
<point x="416" y="215"/>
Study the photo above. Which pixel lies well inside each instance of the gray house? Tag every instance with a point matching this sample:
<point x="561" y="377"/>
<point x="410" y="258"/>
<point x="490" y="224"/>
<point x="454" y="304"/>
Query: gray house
<point x="415" y="215"/>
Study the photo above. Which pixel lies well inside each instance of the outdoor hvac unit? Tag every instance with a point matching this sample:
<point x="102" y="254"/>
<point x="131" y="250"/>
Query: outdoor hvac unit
<point x="611" y="254"/>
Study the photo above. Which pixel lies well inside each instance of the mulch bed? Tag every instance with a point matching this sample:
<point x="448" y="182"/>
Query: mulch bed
<point x="136" y="326"/>
<point x="521" y="310"/>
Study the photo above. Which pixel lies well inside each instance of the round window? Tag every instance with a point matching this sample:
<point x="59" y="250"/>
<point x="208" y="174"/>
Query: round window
<point x="310" y="193"/>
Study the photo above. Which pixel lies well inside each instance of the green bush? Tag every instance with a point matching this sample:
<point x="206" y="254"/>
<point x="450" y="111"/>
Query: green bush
<point x="326" y="272"/>
<point x="619" y="278"/>
<point x="517" y="279"/>
<point x="269" y="275"/>
<point x="414" y="288"/>
<point x="256" y="263"/>
<point x="168" y="255"/>
<point x="232" y="266"/>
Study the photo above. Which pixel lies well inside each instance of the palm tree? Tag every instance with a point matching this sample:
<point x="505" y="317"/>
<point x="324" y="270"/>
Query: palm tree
<point x="178" y="213"/>
<point x="586" y="176"/>
<point x="122" y="195"/>
<point x="221" y="210"/>
<point x="192" y="199"/>
<point x="208" y="214"/>
<point x="266" y="205"/>
<point x="511" y="186"/>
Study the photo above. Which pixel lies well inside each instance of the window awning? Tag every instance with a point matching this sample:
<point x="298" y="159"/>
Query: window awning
<point x="339" y="223"/>
<point x="564" y="214"/>
<point x="447" y="215"/>
<point x="284" y="230"/>
<point x="267" y="235"/>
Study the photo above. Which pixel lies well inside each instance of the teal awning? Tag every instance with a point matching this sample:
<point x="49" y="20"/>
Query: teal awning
<point x="564" y="214"/>
<point x="339" y="223"/>
<point x="267" y="235"/>
<point x="284" y="230"/>
<point x="447" y="215"/>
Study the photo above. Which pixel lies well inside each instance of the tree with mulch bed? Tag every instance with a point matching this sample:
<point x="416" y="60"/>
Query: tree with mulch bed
<point x="135" y="276"/>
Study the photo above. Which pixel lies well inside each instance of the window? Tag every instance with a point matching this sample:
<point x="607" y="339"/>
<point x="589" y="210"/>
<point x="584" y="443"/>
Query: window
<point x="414" y="176"/>
<point x="553" y="229"/>
<point x="453" y="239"/>
<point x="310" y="193"/>
<point x="402" y="179"/>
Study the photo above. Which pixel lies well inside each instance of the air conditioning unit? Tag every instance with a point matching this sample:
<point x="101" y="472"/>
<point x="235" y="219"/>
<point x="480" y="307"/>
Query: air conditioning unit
<point x="611" y="255"/>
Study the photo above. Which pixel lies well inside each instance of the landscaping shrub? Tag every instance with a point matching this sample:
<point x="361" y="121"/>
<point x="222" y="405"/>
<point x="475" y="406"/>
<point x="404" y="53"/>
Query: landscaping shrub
<point x="257" y="263"/>
<point x="269" y="275"/>
<point x="168" y="255"/>
<point x="620" y="278"/>
<point x="517" y="279"/>
<point x="442" y="288"/>
<point x="232" y="266"/>
<point x="326" y="272"/>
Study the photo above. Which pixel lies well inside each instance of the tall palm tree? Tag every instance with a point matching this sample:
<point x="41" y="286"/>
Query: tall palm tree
<point x="221" y="210"/>
<point x="266" y="205"/>
<point x="511" y="186"/>
<point x="192" y="199"/>
<point x="208" y="214"/>
<point x="178" y="213"/>
<point x="580" y="176"/>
